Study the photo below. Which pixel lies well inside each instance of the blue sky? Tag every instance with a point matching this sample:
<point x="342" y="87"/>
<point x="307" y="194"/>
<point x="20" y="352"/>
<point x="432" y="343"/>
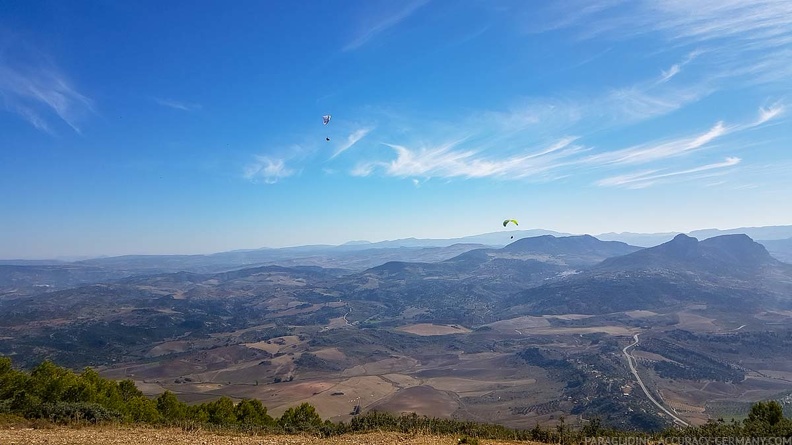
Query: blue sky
<point x="194" y="127"/>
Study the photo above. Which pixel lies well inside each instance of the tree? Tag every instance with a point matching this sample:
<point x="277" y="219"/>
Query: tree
<point x="11" y="380"/>
<point x="769" y="412"/>
<point x="300" y="418"/>
<point x="170" y="407"/>
<point x="49" y="382"/>
<point x="144" y="410"/>
<point x="252" y="412"/>
<point x="593" y="428"/>
<point x="128" y="390"/>
<point x="221" y="411"/>
<point x="81" y="391"/>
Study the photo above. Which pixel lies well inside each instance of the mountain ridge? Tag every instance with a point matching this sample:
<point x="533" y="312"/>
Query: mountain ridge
<point x="724" y="270"/>
<point x="492" y="239"/>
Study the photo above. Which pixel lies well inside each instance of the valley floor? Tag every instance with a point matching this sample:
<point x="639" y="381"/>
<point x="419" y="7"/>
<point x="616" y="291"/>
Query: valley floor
<point x="142" y="436"/>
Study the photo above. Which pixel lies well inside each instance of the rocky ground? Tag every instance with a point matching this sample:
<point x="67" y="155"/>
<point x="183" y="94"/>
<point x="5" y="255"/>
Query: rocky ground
<point x="141" y="436"/>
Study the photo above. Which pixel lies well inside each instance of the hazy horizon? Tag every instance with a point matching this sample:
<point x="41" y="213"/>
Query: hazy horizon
<point x="198" y="129"/>
<point x="506" y="240"/>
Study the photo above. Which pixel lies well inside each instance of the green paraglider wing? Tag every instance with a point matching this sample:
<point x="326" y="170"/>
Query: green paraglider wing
<point x="510" y="220"/>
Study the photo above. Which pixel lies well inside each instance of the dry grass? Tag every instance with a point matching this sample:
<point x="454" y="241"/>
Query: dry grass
<point x="429" y="329"/>
<point x="696" y="323"/>
<point x="161" y="436"/>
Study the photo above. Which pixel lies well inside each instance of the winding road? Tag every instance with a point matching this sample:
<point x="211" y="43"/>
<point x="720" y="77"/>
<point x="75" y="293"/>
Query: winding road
<point x="631" y="361"/>
<point x="345" y="315"/>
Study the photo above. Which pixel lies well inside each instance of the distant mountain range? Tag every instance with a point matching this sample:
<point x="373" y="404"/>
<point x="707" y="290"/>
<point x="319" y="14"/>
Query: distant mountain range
<point x="728" y="272"/>
<point x="653" y="239"/>
<point x="354" y="255"/>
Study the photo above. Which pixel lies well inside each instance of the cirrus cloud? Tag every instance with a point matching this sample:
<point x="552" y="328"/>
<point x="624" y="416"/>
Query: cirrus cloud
<point x="267" y="170"/>
<point x="40" y="92"/>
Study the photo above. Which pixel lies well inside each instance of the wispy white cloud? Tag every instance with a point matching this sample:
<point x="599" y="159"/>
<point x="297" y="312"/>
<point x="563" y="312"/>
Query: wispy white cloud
<point x="705" y="20"/>
<point x="33" y="118"/>
<point x="675" y="147"/>
<point x="351" y="140"/>
<point x="36" y="92"/>
<point x="379" y="25"/>
<point x="770" y="113"/>
<point x="470" y="158"/>
<point x="530" y="120"/>
<point x="650" y="98"/>
<point x="638" y="103"/>
<point x="744" y="40"/>
<point x="655" y="151"/>
<point x="772" y="177"/>
<point x="178" y="105"/>
<point x="676" y="68"/>
<point x="571" y="13"/>
<point x="646" y="178"/>
<point x="559" y="145"/>
<point x="620" y="106"/>
<point x="364" y="168"/>
<point x="267" y="170"/>
<point x="671" y="72"/>
<point x="694" y="20"/>
<point x="445" y="162"/>
<point x="744" y="186"/>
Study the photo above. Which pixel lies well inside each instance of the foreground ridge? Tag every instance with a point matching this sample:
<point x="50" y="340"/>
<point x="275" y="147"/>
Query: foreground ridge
<point x="176" y="436"/>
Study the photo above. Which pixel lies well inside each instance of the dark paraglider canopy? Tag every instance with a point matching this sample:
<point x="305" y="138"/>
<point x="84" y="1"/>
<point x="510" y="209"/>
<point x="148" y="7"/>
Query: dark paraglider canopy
<point x="326" y="120"/>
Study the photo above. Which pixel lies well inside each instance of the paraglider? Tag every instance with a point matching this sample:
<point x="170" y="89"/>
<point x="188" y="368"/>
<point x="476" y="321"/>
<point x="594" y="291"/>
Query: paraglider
<point x="506" y="222"/>
<point x="326" y="120"/>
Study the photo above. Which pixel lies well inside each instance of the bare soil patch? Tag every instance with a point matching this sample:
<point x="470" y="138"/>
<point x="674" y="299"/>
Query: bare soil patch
<point x="694" y="322"/>
<point x="385" y="366"/>
<point x="463" y="386"/>
<point x="168" y="348"/>
<point x="268" y="346"/>
<point x="364" y="390"/>
<point x="519" y="323"/>
<point x="333" y="354"/>
<point x="295" y="311"/>
<point x="422" y="400"/>
<point x="426" y="329"/>
<point x="568" y="316"/>
<point x="612" y="330"/>
<point x="640" y="314"/>
<point x="412" y="311"/>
